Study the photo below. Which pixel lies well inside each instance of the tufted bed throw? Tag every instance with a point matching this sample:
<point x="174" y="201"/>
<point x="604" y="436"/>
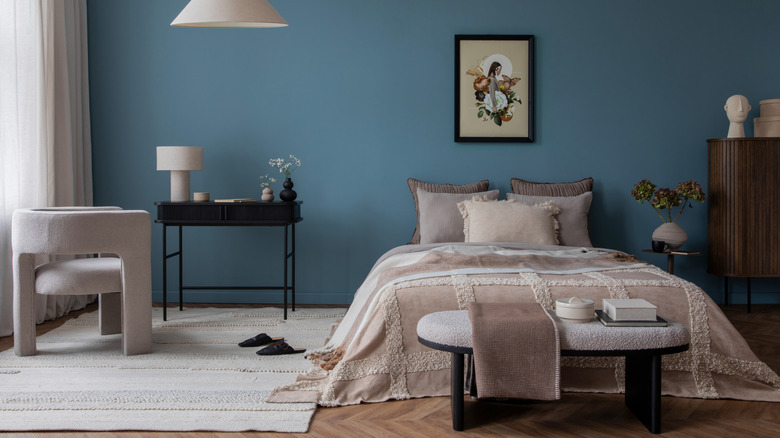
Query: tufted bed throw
<point x="374" y="354"/>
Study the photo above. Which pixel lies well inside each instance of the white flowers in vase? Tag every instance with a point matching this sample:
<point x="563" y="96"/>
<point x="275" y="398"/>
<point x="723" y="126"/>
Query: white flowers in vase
<point x="286" y="167"/>
<point x="266" y="181"/>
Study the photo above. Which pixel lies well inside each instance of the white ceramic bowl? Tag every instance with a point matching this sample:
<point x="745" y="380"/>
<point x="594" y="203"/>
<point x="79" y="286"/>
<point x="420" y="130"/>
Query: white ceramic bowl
<point x="575" y="309"/>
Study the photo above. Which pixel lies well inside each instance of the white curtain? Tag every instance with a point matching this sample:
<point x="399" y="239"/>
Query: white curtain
<point x="45" y="145"/>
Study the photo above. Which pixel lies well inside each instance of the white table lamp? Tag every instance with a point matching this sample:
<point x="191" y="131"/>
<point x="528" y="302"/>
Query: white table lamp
<point x="180" y="160"/>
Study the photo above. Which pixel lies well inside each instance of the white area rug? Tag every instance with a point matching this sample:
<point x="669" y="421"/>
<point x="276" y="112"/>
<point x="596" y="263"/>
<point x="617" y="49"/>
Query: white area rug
<point x="196" y="378"/>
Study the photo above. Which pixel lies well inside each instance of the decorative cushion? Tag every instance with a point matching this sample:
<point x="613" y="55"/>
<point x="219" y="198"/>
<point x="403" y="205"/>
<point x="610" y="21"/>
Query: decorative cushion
<point x="573" y="218"/>
<point x="575" y="188"/>
<point x="414" y="184"/>
<point x="440" y="219"/>
<point x="79" y="277"/>
<point x="509" y="221"/>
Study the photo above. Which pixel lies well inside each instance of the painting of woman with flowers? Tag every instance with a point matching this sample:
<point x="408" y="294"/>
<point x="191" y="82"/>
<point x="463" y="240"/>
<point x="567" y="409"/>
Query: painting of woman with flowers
<point x="494" y="88"/>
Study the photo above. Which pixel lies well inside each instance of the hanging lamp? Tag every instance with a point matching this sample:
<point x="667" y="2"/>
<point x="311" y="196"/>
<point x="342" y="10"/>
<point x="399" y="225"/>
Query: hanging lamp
<point x="229" y="13"/>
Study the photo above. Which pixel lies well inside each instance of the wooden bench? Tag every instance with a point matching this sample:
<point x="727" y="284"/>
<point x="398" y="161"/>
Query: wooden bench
<point x="642" y="347"/>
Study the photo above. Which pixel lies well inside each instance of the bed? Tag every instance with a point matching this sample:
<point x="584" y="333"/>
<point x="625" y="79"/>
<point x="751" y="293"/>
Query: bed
<point x="374" y="355"/>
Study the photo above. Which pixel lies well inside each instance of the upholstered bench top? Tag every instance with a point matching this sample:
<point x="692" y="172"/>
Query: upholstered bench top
<point x="453" y="328"/>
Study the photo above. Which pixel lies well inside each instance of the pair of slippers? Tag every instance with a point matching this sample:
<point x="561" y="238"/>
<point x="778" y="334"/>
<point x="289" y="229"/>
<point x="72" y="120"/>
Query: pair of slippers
<point x="277" y="345"/>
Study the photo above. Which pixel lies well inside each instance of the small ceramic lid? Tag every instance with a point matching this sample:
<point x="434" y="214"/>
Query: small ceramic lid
<point x="769" y="101"/>
<point x="574" y="303"/>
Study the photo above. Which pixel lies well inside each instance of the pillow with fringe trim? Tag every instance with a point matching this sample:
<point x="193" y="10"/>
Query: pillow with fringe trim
<point x="509" y="221"/>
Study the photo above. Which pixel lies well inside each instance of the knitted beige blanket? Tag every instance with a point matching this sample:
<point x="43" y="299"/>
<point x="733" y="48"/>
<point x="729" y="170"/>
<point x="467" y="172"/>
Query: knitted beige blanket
<point x="516" y="351"/>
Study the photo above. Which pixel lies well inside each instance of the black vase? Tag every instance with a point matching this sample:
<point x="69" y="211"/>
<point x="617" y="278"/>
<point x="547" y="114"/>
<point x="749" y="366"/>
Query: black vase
<point x="288" y="194"/>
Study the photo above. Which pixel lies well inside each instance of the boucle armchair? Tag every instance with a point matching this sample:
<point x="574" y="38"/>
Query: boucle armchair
<point x="121" y="275"/>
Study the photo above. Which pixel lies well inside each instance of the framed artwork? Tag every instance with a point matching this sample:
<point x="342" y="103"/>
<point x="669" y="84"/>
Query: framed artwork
<point x="494" y="88"/>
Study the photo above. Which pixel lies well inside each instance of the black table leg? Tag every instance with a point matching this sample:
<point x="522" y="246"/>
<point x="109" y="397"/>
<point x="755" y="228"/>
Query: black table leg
<point x="293" y="266"/>
<point x="181" y="273"/>
<point x="165" y="274"/>
<point x="456" y="391"/>
<point x="748" y="293"/>
<point x="643" y="389"/>
<point x="285" y="272"/>
<point x="726" y="290"/>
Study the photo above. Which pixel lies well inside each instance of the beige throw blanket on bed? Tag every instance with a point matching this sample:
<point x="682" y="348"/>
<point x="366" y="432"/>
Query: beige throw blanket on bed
<point x="374" y="354"/>
<point x="516" y="351"/>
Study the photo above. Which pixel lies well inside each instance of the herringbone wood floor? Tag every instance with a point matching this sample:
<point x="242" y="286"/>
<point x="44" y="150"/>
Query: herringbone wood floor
<point x="575" y="415"/>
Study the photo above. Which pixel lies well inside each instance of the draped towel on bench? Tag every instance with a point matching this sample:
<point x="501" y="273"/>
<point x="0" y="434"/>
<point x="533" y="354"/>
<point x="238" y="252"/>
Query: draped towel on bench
<point x="516" y="351"/>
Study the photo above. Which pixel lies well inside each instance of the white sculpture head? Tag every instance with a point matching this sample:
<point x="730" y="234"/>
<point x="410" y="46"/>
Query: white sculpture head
<point x="737" y="108"/>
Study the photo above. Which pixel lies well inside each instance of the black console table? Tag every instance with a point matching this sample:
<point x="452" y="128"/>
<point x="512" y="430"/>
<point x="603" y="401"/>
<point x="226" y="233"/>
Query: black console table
<point x="210" y="214"/>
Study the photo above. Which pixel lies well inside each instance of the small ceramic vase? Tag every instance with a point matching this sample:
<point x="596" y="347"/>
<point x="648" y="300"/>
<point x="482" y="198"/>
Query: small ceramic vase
<point x="268" y="195"/>
<point x="672" y="234"/>
<point x="288" y="194"/>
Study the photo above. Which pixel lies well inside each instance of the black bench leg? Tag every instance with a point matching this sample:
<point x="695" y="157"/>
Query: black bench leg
<point x="456" y="391"/>
<point x="643" y="389"/>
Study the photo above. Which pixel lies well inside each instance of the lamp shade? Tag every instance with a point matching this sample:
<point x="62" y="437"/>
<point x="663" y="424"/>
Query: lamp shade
<point x="179" y="158"/>
<point x="229" y="13"/>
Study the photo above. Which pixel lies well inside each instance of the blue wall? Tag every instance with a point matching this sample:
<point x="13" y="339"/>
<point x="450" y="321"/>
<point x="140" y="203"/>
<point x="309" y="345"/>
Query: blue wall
<point x="362" y="92"/>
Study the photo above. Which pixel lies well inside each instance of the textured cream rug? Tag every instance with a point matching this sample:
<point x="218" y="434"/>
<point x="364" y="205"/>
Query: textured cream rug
<point x="196" y="378"/>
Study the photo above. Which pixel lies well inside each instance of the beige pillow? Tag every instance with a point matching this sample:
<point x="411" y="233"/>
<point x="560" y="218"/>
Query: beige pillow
<point x="523" y="187"/>
<point x="414" y="184"/>
<point x="509" y="221"/>
<point x="440" y="219"/>
<point x="573" y="218"/>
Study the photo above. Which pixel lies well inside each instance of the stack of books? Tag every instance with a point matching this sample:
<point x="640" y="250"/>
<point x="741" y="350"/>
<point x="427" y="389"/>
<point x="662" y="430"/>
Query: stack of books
<point x="634" y="312"/>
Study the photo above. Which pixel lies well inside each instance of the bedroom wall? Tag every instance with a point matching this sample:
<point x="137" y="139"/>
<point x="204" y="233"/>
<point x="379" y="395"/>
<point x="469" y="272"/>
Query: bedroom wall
<point x="362" y="92"/>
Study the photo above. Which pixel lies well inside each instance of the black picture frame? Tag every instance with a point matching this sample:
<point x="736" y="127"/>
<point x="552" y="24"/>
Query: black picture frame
<point x="484" y="117"/>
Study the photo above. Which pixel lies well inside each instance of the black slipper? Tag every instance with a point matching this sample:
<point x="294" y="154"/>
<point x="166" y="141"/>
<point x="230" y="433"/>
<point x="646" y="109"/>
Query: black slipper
<point x="278" y="348"/>
<point x="259" y="340"/>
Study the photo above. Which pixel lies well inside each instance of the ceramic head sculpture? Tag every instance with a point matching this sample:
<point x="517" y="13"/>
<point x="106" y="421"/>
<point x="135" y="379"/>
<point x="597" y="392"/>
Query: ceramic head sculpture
<point x="737" y="109"/>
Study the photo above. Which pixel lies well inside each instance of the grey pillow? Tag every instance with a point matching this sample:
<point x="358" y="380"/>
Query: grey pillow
<point x="440" y="219"/>
<point x="523" y="187"/>
<point x="572" y="219"/>
<point x="414" y="184"/>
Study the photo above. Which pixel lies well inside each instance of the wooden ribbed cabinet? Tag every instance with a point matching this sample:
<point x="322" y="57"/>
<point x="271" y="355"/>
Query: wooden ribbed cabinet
<point x="744" y="207"/>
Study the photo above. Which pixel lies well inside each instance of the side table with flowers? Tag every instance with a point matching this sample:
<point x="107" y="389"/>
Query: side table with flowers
<point x="668" y="199"/>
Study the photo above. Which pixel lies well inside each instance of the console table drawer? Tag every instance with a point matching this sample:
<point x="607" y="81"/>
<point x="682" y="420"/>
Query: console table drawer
<point x="219" y="213"/>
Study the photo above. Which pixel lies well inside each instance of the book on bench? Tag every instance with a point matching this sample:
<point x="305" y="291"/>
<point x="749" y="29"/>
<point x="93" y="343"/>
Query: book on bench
<point x="630" y="309"/>
<point x="609" y="322"/>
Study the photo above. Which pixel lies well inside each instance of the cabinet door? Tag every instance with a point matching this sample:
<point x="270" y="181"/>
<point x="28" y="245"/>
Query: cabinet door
<point x="744" y="207"/>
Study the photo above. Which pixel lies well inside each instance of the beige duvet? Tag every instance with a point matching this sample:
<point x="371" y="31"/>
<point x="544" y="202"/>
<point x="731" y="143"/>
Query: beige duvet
<point x="374" y="354"/>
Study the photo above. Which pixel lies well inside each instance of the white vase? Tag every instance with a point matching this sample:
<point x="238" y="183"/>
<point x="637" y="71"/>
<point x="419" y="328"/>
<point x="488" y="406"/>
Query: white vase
<point x="268" y="195"/>
<point x="672" y="234"/>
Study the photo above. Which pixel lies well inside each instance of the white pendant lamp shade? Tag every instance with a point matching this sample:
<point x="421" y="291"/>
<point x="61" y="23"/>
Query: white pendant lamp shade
<point x="229" y="13"/>
<point x="180" y="160"/>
